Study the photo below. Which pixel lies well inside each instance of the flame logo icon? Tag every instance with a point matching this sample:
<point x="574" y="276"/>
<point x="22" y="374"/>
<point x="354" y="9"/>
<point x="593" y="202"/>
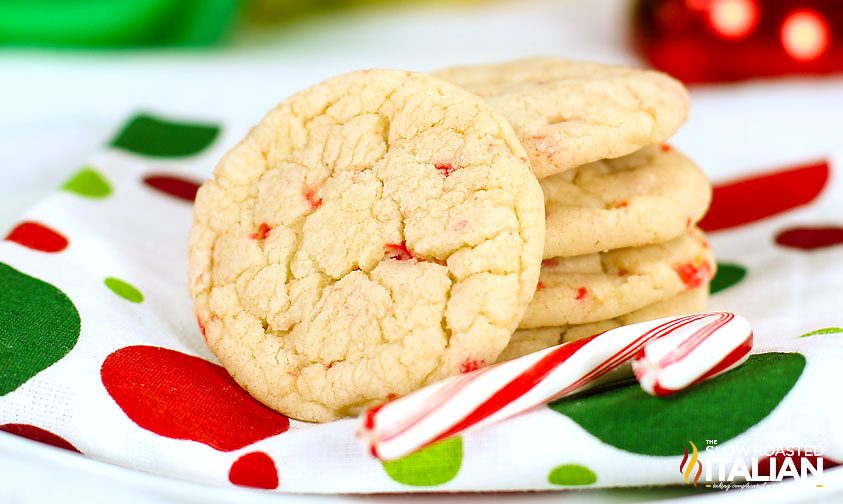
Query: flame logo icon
<point x="686" y="467"/>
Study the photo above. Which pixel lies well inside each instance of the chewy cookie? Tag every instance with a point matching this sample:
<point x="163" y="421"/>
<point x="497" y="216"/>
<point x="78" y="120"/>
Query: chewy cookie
<point x="649" y="196"/>
<point x="371" y="234"/>
<point x="595" y="287"/>
<point x="526" y="341"/>
<point x="569" y="113"/>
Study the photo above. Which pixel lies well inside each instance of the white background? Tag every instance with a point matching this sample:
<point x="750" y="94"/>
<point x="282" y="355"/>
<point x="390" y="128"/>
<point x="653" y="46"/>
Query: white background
<point x="58" y="107"/>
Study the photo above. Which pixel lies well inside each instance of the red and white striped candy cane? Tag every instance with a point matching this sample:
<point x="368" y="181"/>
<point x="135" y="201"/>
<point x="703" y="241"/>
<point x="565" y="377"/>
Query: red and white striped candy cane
<point x="497" y="392"/>
<point x="677" y="361"/>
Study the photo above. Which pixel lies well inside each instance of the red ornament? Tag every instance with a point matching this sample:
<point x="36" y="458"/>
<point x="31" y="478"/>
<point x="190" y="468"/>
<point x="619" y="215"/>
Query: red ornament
<point x="728" y="40"/>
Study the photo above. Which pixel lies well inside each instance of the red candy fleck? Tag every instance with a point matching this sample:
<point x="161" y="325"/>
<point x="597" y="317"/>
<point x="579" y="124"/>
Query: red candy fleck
<point x="694" y="276"/>
<point x="38" y="434"/>
<point x="398" y="251"/>
<point x="471" y="365"/>
<point x="201" y="327"/>
<point x="666" y="148"/>
<point x="314" y="200"/>
<point x="263" y="232"/>
<point x="256" y="470"/>
<point x="391" y="396"/>
<point x="752" y="199"/>
<point x="810" y="238"/>
<point x="445" y="168"/>
<point x="180" y="396"/>
<point x="582" y="293"/>
<point x="37" y="236"/>
<point x="176" y="187"/>
<point x="540" y="285"/>
<point x="621" y="204"/>
<point x="623" y="272"/>
<point x="550" y="263"/>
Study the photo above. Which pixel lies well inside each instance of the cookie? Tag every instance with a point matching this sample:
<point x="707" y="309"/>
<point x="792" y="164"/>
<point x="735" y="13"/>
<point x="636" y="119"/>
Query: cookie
<point x="569" y="113"/>
<point x="526" y="341"/>
<point x="649" y="196"/>
<point x="594" y="287"/>
<point x="370" y="235"/>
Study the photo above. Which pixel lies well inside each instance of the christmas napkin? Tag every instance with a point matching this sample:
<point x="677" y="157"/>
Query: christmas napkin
<point x="100" y="352"/>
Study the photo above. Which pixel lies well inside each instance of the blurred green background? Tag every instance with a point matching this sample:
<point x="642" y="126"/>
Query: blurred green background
<point x="151" y="23"/>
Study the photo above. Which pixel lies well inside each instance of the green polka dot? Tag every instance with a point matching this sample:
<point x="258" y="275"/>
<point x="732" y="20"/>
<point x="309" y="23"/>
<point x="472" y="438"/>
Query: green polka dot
<point x="89" y="183"/>
<point x="38" y="326"/>
<point x="827" y="330"/>
<point x="630" y="419"/>
<point x="435" y="465"/>
<point x="727" y="276"/>
<point x="123" y="289"/>
<point x="571" y="474"/>
<point x="154" y="137"/>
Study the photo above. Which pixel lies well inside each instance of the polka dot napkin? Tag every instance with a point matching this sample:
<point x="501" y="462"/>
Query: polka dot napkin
<point x="100" y="353"/>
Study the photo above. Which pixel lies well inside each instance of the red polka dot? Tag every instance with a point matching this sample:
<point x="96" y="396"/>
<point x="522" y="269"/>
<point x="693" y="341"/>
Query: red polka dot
<point x="256" y="470"/>
<point x="37" y="236"/>
<point x="582" y="293"/>
<point x="38" y="434"/>
<point x="184" y="397"/>
<point x="752" y="199"/>
<point x="810" y="238"/>
<point x="174" y="186"/>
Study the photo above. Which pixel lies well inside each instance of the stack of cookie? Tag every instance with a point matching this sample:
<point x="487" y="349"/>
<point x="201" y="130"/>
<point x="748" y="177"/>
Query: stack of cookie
<point x="621" y="204"/>
<point x="385" y="229"/>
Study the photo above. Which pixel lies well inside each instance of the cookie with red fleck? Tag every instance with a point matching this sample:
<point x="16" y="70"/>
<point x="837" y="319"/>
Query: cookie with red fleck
<point x="526" y="341"/>
<point x="650" y="196"/>
<point x="595" y="287"/>
<point x="569" y="113"/>
<point x="372" y="234"/>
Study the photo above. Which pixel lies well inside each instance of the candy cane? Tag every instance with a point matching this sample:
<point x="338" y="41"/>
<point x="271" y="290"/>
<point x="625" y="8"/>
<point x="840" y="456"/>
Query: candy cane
<point x="488" y="395"/>
<point x="673" y="363"/>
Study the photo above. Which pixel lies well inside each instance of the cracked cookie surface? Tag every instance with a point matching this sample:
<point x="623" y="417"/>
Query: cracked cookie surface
<point x="594" y="287"/>
<point x="569" y="113"/>
<point x="526" y="341"/>
<point x="650" y="196"/>
<point x="371" y="234"/>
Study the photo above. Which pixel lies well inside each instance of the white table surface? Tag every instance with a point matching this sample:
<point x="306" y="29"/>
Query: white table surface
<point x="57" y="107"/>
